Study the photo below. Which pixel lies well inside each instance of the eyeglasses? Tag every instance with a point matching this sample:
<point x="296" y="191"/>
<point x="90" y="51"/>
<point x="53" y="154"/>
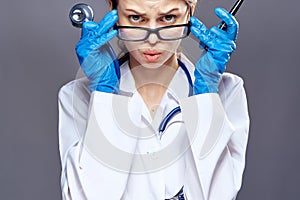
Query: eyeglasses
<point x="168" y="33"/>
<point x="136" y="33"/>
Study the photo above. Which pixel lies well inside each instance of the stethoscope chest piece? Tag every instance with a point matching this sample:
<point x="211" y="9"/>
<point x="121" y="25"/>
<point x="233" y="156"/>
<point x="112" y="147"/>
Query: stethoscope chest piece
<point x="80" y="13"/>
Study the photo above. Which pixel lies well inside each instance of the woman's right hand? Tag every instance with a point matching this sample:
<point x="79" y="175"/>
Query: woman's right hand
<point x="220" y="45"/>
<point x="96" y="57"/>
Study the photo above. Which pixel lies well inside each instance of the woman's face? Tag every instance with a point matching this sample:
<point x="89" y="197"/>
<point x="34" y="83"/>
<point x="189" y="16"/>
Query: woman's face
<point x="152" y="52"/>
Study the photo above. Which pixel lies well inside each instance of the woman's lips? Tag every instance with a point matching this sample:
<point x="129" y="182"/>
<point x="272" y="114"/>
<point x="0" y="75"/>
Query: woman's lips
<point x="151" y="55"/>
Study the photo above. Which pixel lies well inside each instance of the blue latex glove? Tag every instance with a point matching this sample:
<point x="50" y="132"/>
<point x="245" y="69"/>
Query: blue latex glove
<point x="96" y="57"/>
<point x="219" y="45"/>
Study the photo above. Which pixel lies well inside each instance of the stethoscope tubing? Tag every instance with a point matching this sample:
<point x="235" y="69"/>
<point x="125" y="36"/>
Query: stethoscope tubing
<point x="177" y="110"/>
<point x="166" y="120"/>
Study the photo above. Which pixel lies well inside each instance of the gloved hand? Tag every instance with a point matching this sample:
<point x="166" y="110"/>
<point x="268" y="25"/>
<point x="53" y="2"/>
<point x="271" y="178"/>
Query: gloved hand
<point x="96" y="57"/>
<point x="219" y="45"/>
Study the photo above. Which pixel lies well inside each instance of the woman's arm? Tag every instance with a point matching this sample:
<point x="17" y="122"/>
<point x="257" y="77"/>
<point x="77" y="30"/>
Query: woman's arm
<point x="217" y="126"/>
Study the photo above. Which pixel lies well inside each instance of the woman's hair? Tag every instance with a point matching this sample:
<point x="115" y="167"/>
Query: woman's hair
<point x="114" y="3"/>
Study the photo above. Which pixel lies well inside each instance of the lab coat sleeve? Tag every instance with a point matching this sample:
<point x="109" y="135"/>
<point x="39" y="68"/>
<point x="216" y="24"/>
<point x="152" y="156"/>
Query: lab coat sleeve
<point x="73" y="108"/>
<point x="217" y="126"/>
<point x="83" y="175"/>
<point x="233" y="97"/>
<point x="73" y="99"/>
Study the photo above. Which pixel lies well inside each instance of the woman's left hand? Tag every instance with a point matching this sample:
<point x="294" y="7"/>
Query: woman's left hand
<point x="220" y="44"/>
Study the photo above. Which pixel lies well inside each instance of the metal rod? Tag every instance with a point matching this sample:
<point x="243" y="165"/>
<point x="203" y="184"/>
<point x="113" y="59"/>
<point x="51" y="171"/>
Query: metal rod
<point x="233" y="11"/>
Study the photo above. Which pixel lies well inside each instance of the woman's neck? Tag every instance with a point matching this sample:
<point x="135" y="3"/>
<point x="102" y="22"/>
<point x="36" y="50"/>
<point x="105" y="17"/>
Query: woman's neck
<point x="152" y="83"/>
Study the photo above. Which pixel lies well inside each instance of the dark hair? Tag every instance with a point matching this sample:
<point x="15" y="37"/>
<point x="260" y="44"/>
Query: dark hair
<point x="114" y="3"/>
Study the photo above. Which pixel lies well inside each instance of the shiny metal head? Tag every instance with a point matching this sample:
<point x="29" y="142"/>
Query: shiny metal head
<point x="80" y="13"/>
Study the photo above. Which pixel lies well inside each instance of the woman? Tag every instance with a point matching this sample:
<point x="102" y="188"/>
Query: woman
<point x="151" y="125"/>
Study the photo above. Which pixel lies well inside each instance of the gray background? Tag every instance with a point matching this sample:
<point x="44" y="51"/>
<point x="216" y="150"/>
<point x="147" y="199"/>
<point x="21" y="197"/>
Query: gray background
<point x="37" y="57"/>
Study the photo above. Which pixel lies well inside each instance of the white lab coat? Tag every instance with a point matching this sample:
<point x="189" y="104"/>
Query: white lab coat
<point x="203" y="150"/>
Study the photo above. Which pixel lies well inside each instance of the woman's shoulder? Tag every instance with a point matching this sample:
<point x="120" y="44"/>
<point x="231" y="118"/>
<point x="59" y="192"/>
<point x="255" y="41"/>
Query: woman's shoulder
<point x="231" y="88"/>
<point x="75" y="90"/>
<point x="229" y="80"/>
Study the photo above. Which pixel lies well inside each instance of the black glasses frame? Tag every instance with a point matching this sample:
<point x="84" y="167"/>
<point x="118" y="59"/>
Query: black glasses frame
<point x="155" y="31"/>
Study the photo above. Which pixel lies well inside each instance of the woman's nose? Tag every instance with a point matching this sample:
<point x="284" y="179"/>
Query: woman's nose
<point x="152" y="39"/>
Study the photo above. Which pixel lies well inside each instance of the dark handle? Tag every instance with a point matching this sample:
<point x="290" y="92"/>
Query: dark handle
<point x="233" y="11"/>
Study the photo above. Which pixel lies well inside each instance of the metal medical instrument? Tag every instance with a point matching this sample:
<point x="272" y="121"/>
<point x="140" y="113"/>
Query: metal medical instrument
<point x="80" y="13"/>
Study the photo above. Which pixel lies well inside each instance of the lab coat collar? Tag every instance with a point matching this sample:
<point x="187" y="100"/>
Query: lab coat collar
<point x="178" y="89"/>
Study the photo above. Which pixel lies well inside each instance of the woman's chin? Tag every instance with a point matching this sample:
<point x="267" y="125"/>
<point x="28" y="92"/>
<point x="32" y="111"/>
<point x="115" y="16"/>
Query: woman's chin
<point x="152" y="65"/>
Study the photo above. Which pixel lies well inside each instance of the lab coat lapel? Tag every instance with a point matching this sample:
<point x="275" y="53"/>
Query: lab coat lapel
<point x="109" y="142"/>
<point x="127" y="83"/>
<point x="208" y="130"/>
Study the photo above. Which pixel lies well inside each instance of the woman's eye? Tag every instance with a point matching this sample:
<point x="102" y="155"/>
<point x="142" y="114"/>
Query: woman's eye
<point x="135" y="18"/>
<point x="169" y="18"/>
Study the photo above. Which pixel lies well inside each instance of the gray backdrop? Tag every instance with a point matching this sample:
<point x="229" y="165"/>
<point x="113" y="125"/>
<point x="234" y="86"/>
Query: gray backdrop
<point x="37" y="57"/>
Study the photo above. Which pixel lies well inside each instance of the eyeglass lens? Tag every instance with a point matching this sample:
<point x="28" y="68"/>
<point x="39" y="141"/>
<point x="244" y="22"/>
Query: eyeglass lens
<point x="168" y="33"/>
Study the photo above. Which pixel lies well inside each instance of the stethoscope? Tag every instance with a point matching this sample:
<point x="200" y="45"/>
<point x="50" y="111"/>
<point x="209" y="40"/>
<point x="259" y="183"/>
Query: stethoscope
<point x="176" y="110"/>
<point x="81" y="13"/>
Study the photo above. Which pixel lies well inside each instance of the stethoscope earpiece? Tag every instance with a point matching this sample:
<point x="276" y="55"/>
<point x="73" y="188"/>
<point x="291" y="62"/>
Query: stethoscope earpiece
<point x="80" y="13"/>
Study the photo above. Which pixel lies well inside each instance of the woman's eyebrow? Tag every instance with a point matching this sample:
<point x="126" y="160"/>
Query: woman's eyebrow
<point x="161" y="13"/>
<point x="132" y="10"/>
<point x="170" y="11"/>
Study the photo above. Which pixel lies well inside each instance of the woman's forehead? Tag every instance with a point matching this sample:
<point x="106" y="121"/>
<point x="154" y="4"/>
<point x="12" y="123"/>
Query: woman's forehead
<point x="157" y="5"/>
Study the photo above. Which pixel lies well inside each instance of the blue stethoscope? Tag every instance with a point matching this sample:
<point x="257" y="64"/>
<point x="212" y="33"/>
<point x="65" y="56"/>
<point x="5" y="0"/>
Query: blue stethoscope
<point x="177" y="110"/>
